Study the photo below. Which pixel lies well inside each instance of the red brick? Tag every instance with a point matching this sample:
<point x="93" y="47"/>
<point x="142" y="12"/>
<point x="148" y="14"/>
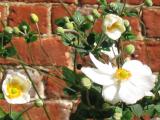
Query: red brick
<point x="92" y="1"/>
<point x="54" y="87"/>
<point x="98" y="26"/>
<point x="156" y="2"/>
<point x="57" y="110"/>
<point x="148" y="53"/>
<point x="151" y="20"/>
<point x="135" y="24"/>
<point x="53" y="46"/>
<point x="48" y="1"/>
<point x="22" y="13"/>
<point x="60" y="12"/>
<point x="2" y="15"/>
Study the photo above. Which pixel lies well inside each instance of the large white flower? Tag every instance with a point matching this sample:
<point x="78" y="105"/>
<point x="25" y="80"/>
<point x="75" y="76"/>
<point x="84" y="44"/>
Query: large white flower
<point x="16" y="88"/>
<point x="128" y="84"/>
<point x="113" y="26"/>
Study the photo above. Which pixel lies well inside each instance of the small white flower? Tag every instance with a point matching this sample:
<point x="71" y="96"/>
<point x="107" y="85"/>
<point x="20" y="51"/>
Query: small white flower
<point x="113" y="26"/>
<point x="128" y="84"/>
<point x="16" y="88"/>
<point x="112" y="53"/>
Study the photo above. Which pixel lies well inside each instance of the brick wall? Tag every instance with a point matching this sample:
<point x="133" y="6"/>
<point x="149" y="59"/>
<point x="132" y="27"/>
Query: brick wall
<point x="58" y="105"/>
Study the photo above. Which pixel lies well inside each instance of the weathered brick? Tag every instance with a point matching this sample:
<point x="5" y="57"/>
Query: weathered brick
<point x="53" y="46"/>
<point x="58" y="110"/>
<point x="151" y="20"/>
<point x="2" y="15"/>
<point x="60" y="12"/>
<point x="22" y="13"/>
<point x="48" y="1"/>
<point x="135" y="25"/>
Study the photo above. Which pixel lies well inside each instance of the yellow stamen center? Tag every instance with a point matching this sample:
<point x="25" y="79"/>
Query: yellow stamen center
<point x="122" y="74"/>
<point x="114" y="26"/>
<point x="14" y="89"/>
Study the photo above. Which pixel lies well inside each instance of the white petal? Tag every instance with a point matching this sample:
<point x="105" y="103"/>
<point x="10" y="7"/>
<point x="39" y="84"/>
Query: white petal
<point x="115" y="35"/>
<point x="109" y="94"/>
<point x="97" y="76"/>
<point x="129" y="93"/>
<point x="21" y="100"/>
<point x="105" y="68"/>
<point x="137" y="68"/>
<point x="149" y="94"/>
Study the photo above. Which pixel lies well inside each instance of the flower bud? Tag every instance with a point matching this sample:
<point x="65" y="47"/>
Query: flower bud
<point x="69" y="25"/>
<point x="86" y="82"/>
<point x="8" y="30"/>
<point x="34" y="18"/>
<point x="66" y="19"/>
<point x="90" y="18"/>
<point x="118" y="113"/>
<point x="96" y="13"/>
<point x="16" y="30"/>
<point x="39" y="103"/>
<point x="126" y="23"/>
<point x="24" y="27"/>
<point x="129" y="49"/>
<point x="60" y="30"/>
<point x="148" y="3"/>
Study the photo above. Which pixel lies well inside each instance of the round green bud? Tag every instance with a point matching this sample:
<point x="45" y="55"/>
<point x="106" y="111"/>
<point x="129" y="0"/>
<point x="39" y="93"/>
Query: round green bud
<point x="66" y="19"/>
<point x="60" y="30"/>
<point x="69" y="25"/>
<point x="24" y="27"/>
<point x="148" y="3"/>
<point x="129" y="49"/>
<point x="96" y="13"/>
<point x="126" y="23"/>
<point x="8" y="30"/>
<point x="39" y="103"/>
<point x="90" y="18"/>
<point x="34" y="18"/>
<point x="86" y="82"/>
<point x="16" y="30"/>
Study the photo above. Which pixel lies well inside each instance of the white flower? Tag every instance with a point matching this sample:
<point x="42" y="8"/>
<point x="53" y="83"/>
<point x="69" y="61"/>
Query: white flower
<point x="112" y="53"/>
<point x="16" y="88"/>
<point x="113" y="26"/>
<point x="128" y="84"/>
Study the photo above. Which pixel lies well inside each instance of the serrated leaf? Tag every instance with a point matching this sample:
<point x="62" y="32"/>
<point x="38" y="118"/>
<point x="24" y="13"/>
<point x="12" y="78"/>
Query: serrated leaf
<point x="78" y="18"/>
<point x="16" y="116"/>
<point x="137" y="109"/>
<point x="150" y="109"/>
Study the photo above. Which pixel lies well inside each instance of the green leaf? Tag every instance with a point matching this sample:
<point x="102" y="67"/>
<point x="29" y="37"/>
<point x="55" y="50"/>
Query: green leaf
<point x="31" y="37"/>
<point x="60" y="22"/>
<point x="128" y="36"/>
<point x="68" y="38"/>
<point x="2" y="113"/>
<point x="127" y="115"/>
<point x="149" y="109"/>
<point x="91" y="38"/>
<point x="157" y="108"/>
<point x="11" y="51"/>
<point x="5" y="38"/>
<point x="86" y="26"/>
<point x="78" y="18"/>
<point x="16" y="116"/>
<point x="137" y="109"/>
<point x="69" y="75"/>
<point x="1" y="96"/>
